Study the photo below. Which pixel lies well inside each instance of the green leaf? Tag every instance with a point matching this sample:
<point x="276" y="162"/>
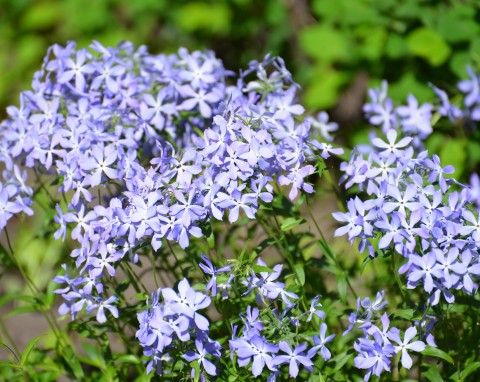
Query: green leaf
<point x="9" y="349"/>
<point x="428" y="44"/>
<point x="128" y="358"/>
<point x="196" y="366"/>
<point x="41" y="15"/>
<point x="291" y="223"/>
<point x="432" y="374"/>
<point x="469" y="369"/>
<point x="324" y="43"/>
<point x="21" y="310"/>
<point x="145" y="377"/>
<point x="323" y="87"/>
<point x="473" y="151"/>
<point x="260" y="268"/>
<point x="438" y="353"/>
<point x="457" y="23"/>
<point x="300" y="274"/>
<point x="211" y="241"/>
<point x="340" y="360"/>
<point x="373" y="41"/>
<point x="196" y="16"/>
<point x="141" y="296"/>
<point x="405" y="313"/>
<point x="342" y="286"/>
<point x="72" y="361"/>
<point x="454" y="152"/>
<point x="94" y="356"/>
<point x="458" y="63"/>
<point x="408" y="84"/>
<point x="10" y="365"/>
<point x="396" y="46"/>
<point x="28" y="349"/>
<point x="7" y="297"/>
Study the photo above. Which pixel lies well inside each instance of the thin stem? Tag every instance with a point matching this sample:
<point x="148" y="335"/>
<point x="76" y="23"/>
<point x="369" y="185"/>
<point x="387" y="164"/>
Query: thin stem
<point x="154" y="270"/>
<point x="35" y="291"/>
<point x="15" y="350"/>
<point x="337" y="263"/>
<point x="397" y="278"/>
<point x="134" y="274"/>
<point x="395" y="373"/>
<point x="285" y="252"/>
<point x="170" y="268"/>
<point x="42" y="186"/>
<point x="134" y="281"/>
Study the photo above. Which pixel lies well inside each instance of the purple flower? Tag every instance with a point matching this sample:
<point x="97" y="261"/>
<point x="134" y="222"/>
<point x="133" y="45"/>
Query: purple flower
<point x="210" y="269"/>
<point x="314" y="311"/>
<point x="187" y="302"/>
<point x="200" y="357"/>
<point x="405" y="345"/>
<point x="77" y="70"/>
<point x="391" y="147"/>
<point x="320" y="342"/>
<point x="102" y="305"/>
<point x="261" y="351"/>
<point x="293" y="358"/>
<point x="103" y="158"/>
<point x="414" y="118"/>
<point x="472" y="87"/>
<point x="374" y="356"/>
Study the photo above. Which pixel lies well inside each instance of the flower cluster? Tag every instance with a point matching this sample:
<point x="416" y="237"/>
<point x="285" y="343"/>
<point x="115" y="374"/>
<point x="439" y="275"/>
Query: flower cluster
<point x="15" y="194"/>
<point x="174" y="325"/>
<point x="265" y="336"/>
<point x="413" y="119"/>
<point x="415" y="209"/>
<point x="379" y="345"/>
<point x="152" y="147"/>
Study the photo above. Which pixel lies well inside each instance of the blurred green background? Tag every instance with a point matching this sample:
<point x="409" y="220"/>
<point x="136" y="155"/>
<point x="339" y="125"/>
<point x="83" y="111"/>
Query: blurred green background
<point x="335" y="48"/>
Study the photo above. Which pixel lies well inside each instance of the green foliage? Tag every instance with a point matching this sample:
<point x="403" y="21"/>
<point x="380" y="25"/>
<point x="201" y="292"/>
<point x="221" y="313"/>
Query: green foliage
<point x="326" y="43"/>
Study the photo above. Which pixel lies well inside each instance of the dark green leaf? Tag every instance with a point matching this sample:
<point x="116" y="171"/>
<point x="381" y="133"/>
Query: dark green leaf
<point x="95" y="358"/>
<point x="469" y="369"/>
<point x="432" y="374"/>
<point x="21" y="310"/>
<point x="438" y="353"/>
<point x="128" y="358"/>
<point x="10" y="365"/>
<point x="28" y="349"/>
<point x="457" y="23"/>
<point x="300" y="274"/>
<point x="454" y="152"/>
<point x="324" y="43"/>
<point x="141" y="296"/>
<point x="260" y="268"/>
<point x="291" y="223"/>
<point x="427" y="43"/>
<point x="405" y="313"/>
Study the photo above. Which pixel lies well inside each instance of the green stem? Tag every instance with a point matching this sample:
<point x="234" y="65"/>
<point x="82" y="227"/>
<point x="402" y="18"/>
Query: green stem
<point x="154" y="269"/>
<point x="170" y="268"/>
<point x="395" y="373"/>
<point x="42" y="186"/>
<point x="333" y="256"/>
<point x="397" y="277"/>
<point x="132" y="279"/>
<point x="15" y="350"/>
<point x="35" y="292"/>
<point x="284" y="251"/>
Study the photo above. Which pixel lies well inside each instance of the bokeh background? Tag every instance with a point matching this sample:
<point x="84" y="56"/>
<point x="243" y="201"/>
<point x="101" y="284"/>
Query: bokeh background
<point x="330" y="46"/>
<point x="335" y="49"/>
